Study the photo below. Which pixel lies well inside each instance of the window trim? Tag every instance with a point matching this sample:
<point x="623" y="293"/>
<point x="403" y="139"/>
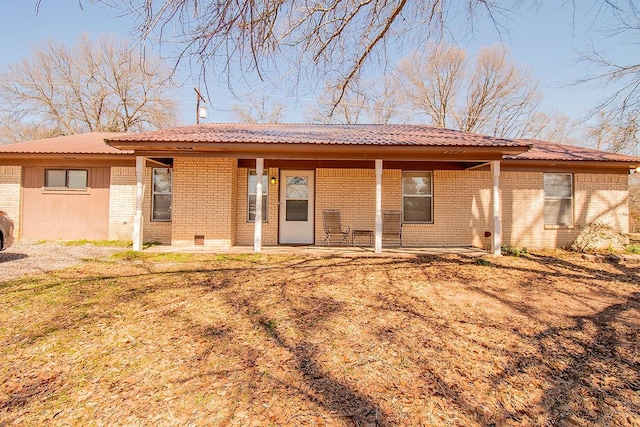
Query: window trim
<point x="154" y="193"/>
<point x="430" y="196"/>
<point x="66" y="189"/>
<point x="571" y="197"/>
<point x="265" y="195"/>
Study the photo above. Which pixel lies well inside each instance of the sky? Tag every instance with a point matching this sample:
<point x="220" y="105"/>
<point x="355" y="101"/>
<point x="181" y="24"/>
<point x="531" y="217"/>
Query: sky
<point x="546" y="40"/>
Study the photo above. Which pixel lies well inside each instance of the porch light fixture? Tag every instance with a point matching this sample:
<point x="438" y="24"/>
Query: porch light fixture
<point x="273" y="180"/>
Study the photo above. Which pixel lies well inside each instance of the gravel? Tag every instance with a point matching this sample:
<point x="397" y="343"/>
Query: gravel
<point x="24" y="258"/>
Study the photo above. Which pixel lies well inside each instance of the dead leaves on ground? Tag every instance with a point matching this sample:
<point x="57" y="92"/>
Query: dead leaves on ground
<point x="274" y="341"/>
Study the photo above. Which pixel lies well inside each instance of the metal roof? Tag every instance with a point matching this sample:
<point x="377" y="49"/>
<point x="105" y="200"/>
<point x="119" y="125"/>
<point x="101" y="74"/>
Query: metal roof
<point x="543" y="150"/>
<point x="310" y="134"/>
<point x="86" y="143"/>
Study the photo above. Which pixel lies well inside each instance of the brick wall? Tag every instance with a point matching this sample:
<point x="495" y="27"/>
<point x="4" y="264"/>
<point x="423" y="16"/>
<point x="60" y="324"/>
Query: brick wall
<point x="353" y="191"/>
<point x="210" y="198"/>
<point x="204" y="201"/>
<point x="461" y="211"/>
<point x="462" y="205"/>
<point x="122" y="203"/>
<point x="244" y="228"/>
<point x="598" y="198"/>
<point x="11" y="195"/>
<point x="153" y="231"/>
<point x="122" y="208"/>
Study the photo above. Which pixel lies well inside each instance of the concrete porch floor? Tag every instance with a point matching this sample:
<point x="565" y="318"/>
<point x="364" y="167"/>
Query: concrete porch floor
<point x="324" y="251"/>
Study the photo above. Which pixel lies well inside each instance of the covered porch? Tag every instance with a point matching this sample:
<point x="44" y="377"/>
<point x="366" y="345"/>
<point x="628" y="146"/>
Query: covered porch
<point x="327" y="167"/>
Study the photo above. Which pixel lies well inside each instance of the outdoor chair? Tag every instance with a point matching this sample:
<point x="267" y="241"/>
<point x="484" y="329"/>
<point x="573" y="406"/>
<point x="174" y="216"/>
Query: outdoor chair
<point x="333" y="228"/>
<point x="392" y="227"/>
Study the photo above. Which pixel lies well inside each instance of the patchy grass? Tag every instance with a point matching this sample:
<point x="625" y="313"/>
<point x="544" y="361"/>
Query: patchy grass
<point x="547" y="339"/>
<point x="516" y="252"/>
<point x="633" y="248"/>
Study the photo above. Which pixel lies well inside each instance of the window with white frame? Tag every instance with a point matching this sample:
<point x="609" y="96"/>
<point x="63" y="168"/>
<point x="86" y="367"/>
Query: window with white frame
<point x="417" y="197"/>
<point x="251" y="199"/>
<point x="162" y="189"/>
<point x="558" y="199"/>
<point x="66" y="179"/>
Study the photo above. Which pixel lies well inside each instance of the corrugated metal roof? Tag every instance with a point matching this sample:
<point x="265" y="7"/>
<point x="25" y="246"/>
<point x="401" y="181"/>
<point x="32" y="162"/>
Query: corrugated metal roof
<point x="365" y="135"/>
<point x="543" y="150"/>
<point x="86" y="143"/>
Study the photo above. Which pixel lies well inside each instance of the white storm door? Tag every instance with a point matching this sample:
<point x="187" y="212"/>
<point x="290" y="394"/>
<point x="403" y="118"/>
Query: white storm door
<point x="296" y="207"/>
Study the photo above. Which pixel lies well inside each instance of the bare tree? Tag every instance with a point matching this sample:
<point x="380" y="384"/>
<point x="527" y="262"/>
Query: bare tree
<point x="12" y="130"/>
<point x="495" y="97"/>
<point x="334" y="39"/>
<point x="617" y="117"/>
<point x="93" y="86"/>
<point x="614" y="130"/>
<point x="432" y="82"/>
<point x="370" y="102"/>
<point x="550" y="127"/>
<point x="258" y="111"/>
<point x="500" y="95"/>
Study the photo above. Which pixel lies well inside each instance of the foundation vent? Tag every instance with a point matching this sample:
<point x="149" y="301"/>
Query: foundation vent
<point x="198" y="240"/>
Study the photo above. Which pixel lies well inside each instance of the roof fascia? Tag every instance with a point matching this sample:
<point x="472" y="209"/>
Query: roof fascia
<point x="569" y="166"/>
<point x="321" y="151"/>
<point x="58" y="160"/>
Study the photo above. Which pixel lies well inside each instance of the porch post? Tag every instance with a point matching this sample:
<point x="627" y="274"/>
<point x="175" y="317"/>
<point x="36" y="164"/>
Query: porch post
<point x="257" y="236"/>
<point x="137" y="219"/>
<point x="496" y="236"/>
<point x="378" y="235"/>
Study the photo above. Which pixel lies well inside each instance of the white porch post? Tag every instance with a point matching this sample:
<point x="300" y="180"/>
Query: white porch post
<point x="378" y="231"/>
<point x="496" y="236"/>
<point x="137" y="219"/>
<point x="257" y="236"/>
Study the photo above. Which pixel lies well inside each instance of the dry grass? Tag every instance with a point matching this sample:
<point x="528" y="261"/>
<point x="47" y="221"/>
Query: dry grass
<point x="548" y="339"/>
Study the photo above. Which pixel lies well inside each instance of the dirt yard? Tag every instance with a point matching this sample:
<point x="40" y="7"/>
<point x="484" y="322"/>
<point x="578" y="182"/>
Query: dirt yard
<point x="548" y="339"/>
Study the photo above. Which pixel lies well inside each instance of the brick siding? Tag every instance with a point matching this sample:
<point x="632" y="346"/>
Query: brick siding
<point x="462" y="205"/>
<point x="244" y="228"/>
<point x="122" y="208"/>
<point x="11" y="195"/>
<point x="204" y="201"/>
<point x="210" y="198"/>
<point x="601" y="198"/>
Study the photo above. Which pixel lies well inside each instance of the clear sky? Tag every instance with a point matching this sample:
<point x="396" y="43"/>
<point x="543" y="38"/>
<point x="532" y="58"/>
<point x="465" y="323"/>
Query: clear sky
<point x="546" y="40"/>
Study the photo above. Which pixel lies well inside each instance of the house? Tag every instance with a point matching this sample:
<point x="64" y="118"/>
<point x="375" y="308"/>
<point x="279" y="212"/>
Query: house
<point x="70" y="187"/>
<point x="198" y="185"/>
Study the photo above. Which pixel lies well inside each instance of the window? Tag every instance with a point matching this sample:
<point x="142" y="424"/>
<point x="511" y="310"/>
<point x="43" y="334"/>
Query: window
<point x="161" y="194"/>
<point x="558" y="199"/>
<point x="417" y="197"/>
<point x="66" y="179"/>
<point x="251" y="200"/>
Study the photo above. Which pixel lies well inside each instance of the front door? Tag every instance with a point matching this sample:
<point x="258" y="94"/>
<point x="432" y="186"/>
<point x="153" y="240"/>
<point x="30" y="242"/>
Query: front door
<point x="296" y="207"/>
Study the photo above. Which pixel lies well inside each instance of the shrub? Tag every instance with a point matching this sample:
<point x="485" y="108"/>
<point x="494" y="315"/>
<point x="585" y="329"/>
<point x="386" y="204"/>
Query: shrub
<point x="511" y="251"/>
<point x="597" y="237"/>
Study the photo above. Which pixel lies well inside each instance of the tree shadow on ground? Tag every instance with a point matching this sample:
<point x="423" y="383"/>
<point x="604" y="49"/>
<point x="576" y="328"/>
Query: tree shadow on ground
<point x="586" y="361"/>
<point x="11" y="256"/>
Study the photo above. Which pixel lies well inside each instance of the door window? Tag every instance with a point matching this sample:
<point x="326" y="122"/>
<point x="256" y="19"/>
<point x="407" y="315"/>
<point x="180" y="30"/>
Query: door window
<point x="297" y="203"/>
